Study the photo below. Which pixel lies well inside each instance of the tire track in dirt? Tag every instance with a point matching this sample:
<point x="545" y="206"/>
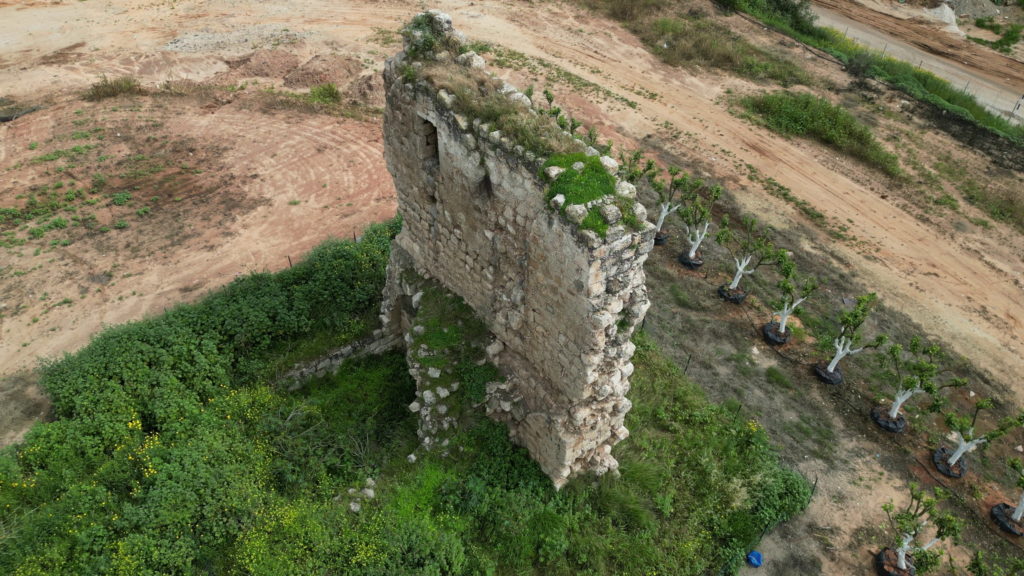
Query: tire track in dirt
<point x="282" y="183"/>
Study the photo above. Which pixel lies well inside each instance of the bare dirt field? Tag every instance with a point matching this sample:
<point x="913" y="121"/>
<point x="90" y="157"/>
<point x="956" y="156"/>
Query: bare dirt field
<point x="226" y="175"/>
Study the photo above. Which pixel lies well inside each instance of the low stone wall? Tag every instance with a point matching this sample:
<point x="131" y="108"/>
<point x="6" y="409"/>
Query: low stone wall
<point x="381" y="341"/>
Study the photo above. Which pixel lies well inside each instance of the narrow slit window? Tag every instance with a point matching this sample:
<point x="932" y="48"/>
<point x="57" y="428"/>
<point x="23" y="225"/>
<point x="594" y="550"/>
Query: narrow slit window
<point x="431" y="154"/>
<point x="485" y="189"/>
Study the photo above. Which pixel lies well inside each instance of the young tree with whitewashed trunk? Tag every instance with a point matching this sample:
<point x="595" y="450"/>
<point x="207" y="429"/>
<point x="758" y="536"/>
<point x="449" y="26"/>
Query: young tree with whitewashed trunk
<point x="845" y="344"/>
<point x="1009" y="517"/>
<point x="911" y="371"/>
<point x="911" y="523"/>
<point x="951" y="462"/>
<point x="794" y="292"/>
<point x="669" y="200"/>
<point x="750" y="248"/>
<point x="696" y="217"/>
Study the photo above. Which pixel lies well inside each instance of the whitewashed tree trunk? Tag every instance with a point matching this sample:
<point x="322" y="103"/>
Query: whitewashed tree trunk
<point x="665" y="209"/>
<point x="901" y="552"/>
<point x="741" y="270"/>
<point x="963" y="447"/>
<point x="901" y="397"/>
<point x="696" y="236"/>
<point x="786" y="312"/>
<point x="843" y="346"/>
<point x="1018" y="512"/>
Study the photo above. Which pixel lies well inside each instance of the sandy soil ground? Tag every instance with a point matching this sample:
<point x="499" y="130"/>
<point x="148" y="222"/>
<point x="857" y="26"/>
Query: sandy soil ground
<point x="275" y="182"/>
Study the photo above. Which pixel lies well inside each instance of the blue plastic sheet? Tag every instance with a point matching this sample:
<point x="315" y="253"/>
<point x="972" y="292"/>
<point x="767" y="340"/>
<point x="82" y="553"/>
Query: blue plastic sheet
<point x="755" y="559"/>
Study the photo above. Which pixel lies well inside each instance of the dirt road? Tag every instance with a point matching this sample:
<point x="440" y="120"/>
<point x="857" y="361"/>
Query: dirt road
<point x="994" y="79"/>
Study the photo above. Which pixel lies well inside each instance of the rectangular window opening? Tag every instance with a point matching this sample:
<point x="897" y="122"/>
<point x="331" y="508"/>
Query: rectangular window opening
<point x="431" y="154"/>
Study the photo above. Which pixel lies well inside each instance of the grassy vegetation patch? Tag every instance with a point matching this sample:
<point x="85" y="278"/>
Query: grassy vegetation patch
<point x="777" y="377"/>
<point x="627" y="208"/>
<point x="170" y="454"/>
<point x="1002" y="205"/>
<point x="423" y="39"/>
<point x="452" y="338"/>
<point x="793" y="114"/>
<point x="795" y="18"/>
<point x="73" y="153"/>
<point x="1008" y="36"/>
<point x="595" y="222"/>
<point x="321" y="99"/>
<point x="688" y="38"/>
<point x="72" y="191"/>
<point x="580" y="186"/>
<point x="702" y="42"/>
<point x="109" y="88"/>
<point x="592" y="182"/>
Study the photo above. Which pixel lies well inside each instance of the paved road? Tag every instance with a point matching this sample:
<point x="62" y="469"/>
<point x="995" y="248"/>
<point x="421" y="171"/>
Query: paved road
<point x="998" y="96"/>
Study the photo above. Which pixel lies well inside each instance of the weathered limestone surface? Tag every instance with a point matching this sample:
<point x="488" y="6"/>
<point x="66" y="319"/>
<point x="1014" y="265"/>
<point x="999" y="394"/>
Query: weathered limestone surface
<point x="562" y="303"/>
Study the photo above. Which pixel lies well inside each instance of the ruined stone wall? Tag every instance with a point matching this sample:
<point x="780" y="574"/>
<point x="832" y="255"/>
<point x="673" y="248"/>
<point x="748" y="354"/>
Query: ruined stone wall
<point x="562" y="303"/>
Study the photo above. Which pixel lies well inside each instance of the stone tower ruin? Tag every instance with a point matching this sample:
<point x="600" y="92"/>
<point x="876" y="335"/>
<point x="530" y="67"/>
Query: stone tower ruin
<point x="560" y="299"/>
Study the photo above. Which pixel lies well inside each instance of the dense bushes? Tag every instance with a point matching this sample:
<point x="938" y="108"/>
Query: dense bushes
<point x="170" y="455"/>
<point x="796" y="114"/>
<point x="151" y="466"/>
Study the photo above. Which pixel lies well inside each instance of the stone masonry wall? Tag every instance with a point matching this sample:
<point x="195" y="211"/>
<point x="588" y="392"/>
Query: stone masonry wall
<point x="562" y="303"/>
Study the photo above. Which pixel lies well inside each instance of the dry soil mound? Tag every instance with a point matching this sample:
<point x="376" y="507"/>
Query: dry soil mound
<point x="321" y="69"/>
<point x="265" y="64"/>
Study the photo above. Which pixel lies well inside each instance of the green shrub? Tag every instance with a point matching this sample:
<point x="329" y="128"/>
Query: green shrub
<point x="422" y="39"/>
<point x="325" y="94"/>
<point x="107" y="88"/>
<point x="793" y="114"/>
